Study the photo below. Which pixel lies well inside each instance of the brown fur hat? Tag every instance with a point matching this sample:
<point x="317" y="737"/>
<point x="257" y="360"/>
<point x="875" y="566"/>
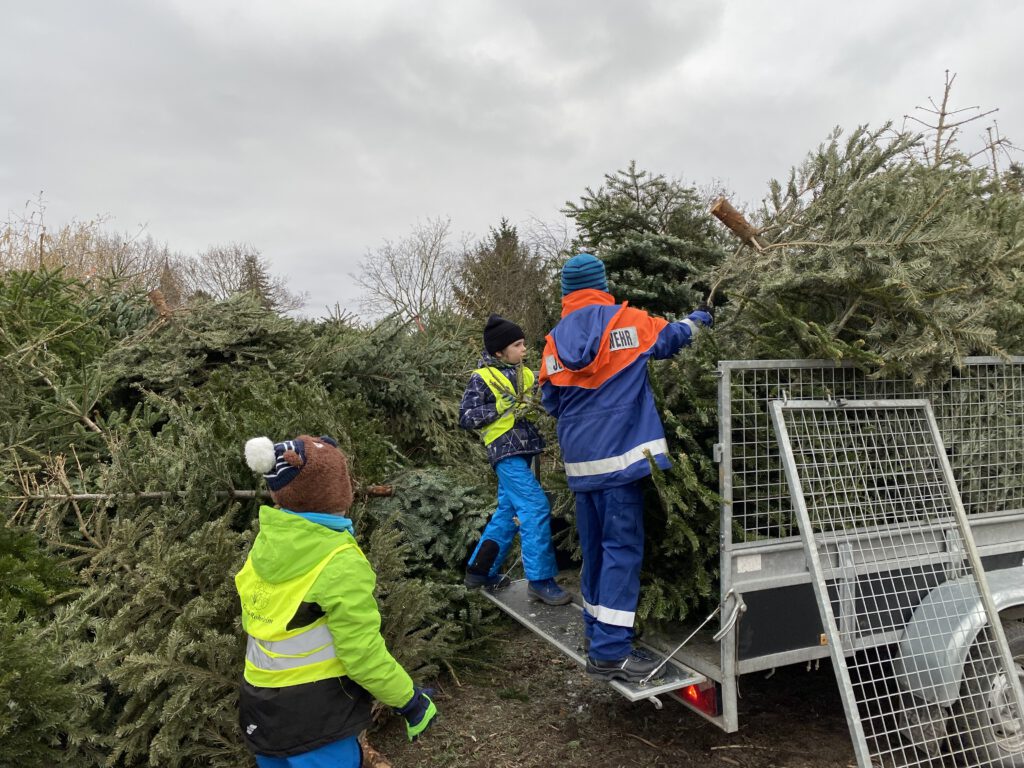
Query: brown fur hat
<point x="306" y="474"/>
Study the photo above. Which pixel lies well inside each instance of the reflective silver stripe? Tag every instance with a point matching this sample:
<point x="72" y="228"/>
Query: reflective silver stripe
<point x="615" y="463"/>
<point x="694" y="328"/>
<point x="300" y="644"/>
<point x="610" y="615"/>
<point x="308" y="648"/>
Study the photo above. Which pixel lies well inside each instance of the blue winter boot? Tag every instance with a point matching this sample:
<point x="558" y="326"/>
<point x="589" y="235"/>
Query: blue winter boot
<point x="548" y="591"/>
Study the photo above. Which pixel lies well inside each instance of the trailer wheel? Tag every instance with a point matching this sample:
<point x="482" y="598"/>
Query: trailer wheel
<point x="989" y="727"/>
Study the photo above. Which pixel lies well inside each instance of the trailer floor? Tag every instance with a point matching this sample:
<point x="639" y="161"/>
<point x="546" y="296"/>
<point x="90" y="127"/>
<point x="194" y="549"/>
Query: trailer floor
<point x="562" y="626"/>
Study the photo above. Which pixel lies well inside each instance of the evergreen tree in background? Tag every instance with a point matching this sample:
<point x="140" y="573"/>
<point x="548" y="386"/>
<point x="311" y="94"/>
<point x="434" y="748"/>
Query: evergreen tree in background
<point x="171" y="286"/>
<point x="655" y="237"/>
<point x="256" y="281"/>
<point x="501" y="275"/>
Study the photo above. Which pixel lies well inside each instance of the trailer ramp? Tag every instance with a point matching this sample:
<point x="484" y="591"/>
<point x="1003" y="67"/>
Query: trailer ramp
<point x="882" y="524"/>
<point x="562" y="626"/>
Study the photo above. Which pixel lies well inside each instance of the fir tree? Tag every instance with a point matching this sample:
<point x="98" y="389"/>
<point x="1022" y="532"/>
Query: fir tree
<point x="873" y="256"/>
<point x="660" y="246"/>
<point x="501" y="275"/>
<point x="255" y="280"/>
<point x="42" y="712"/>
<point x="171" y="285"/>
<point x="654" y="236"/>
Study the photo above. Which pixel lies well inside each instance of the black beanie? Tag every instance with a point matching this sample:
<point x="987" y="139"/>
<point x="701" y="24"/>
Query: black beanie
<point x="499" y="333"/>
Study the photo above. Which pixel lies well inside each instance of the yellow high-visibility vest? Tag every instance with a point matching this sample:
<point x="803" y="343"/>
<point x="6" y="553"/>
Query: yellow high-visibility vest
<point x="502" y="389"/>
<point x="276" y="656"/>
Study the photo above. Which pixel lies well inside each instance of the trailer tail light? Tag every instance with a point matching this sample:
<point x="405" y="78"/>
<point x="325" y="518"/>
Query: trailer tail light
<point x="702" y="697"/>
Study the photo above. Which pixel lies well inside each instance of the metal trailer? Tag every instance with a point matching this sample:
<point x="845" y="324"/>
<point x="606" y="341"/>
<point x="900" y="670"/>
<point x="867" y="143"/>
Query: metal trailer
<point x="769" y="615"/>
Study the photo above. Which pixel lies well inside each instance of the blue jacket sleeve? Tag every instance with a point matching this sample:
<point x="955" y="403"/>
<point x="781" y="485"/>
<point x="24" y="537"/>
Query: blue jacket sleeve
<point x="478" y="407"/>
<point x="675" y="336"/>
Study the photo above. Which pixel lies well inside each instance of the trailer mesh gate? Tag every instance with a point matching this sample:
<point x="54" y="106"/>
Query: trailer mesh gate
<point x="979" y="409"/>
<point x="881" y="465"/>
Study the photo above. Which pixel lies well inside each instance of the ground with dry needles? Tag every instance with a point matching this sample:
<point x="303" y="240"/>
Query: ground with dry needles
<point x="534" y="707"/>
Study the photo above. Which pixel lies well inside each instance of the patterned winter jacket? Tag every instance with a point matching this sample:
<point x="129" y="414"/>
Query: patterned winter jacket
<point x="479" y="408"/>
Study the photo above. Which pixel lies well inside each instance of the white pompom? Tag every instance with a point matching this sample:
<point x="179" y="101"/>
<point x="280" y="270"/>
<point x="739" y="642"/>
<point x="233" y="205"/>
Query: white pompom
<point x="259" y="454"/>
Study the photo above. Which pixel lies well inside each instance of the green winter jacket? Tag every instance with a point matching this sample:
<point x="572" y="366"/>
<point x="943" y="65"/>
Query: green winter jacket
<point x="320" y="695"/>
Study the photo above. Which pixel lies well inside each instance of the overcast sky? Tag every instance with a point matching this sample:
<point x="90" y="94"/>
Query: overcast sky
<point x="315" y="129"/>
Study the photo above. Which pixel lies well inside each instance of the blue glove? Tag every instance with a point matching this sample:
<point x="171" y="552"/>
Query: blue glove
<point x="418" y="712"/>
<point x="705" y="314"/>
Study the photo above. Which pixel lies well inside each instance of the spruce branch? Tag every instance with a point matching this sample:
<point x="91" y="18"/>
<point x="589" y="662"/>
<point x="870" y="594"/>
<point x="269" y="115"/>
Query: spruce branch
<point x="62" y="478"/>
<point x="854" y="305"/>
<point x="921" y="219"/>
<point x="61" y="331"/>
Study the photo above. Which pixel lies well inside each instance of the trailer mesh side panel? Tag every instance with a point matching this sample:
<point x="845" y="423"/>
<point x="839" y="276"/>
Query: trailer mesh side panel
<point x="979" y="410"/>
<point x="879" y="465"/>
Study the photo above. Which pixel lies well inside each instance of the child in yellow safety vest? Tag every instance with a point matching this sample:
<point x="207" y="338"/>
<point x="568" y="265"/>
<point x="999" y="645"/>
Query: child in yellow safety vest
<point x="314" y="658"/>
<point x="495" y="404"/>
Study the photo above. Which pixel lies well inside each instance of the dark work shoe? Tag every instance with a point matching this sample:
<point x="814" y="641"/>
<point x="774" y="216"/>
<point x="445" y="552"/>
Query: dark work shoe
<point x="548" y="591"/>
<point x="483" y="581"/>
<point x="633" y="668"/>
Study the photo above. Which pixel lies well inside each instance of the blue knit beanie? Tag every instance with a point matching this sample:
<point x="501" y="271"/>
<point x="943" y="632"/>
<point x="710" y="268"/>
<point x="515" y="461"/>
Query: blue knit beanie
<point x="584" y="270"/>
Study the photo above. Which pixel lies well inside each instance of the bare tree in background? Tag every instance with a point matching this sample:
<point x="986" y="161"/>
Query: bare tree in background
<point x="225" y="270"/>
<point x="217" y="272"/>
<point x="550" y="240"/>
<point x="942" y="129"/>
<point x="551" y="243"/>
<point x="412" y="277"/>
<point x="84" y="250"/>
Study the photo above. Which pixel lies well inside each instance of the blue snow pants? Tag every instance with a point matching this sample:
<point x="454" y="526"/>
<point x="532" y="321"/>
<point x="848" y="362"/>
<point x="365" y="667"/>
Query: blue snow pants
<point x="611" y="529"/>
<point x="345" y="753"/>
<point x="520" y="496"/>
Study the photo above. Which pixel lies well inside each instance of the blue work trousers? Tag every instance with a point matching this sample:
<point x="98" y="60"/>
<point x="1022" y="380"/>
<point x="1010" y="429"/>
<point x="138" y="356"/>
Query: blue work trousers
<point x="345" y="753"/>
<point x="611" y="529"/>
<point x="521" y="497"/>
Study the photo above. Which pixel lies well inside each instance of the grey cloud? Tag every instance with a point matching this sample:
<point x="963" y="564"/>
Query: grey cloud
<point x="314" y="137"/>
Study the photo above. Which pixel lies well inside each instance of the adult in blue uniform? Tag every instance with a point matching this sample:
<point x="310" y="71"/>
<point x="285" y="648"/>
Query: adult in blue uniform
<point x="594" y="381"/>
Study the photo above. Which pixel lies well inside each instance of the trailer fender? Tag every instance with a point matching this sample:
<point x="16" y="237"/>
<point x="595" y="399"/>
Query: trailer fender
<point x="929" y="661"/>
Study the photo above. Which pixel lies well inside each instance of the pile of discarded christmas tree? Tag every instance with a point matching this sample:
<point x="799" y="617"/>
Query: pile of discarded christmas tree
<point x="128" y="507"/>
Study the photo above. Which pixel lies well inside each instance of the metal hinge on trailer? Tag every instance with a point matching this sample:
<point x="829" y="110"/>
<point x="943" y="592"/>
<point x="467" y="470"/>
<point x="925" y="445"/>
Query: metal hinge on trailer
<point x="562" y="626"/>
